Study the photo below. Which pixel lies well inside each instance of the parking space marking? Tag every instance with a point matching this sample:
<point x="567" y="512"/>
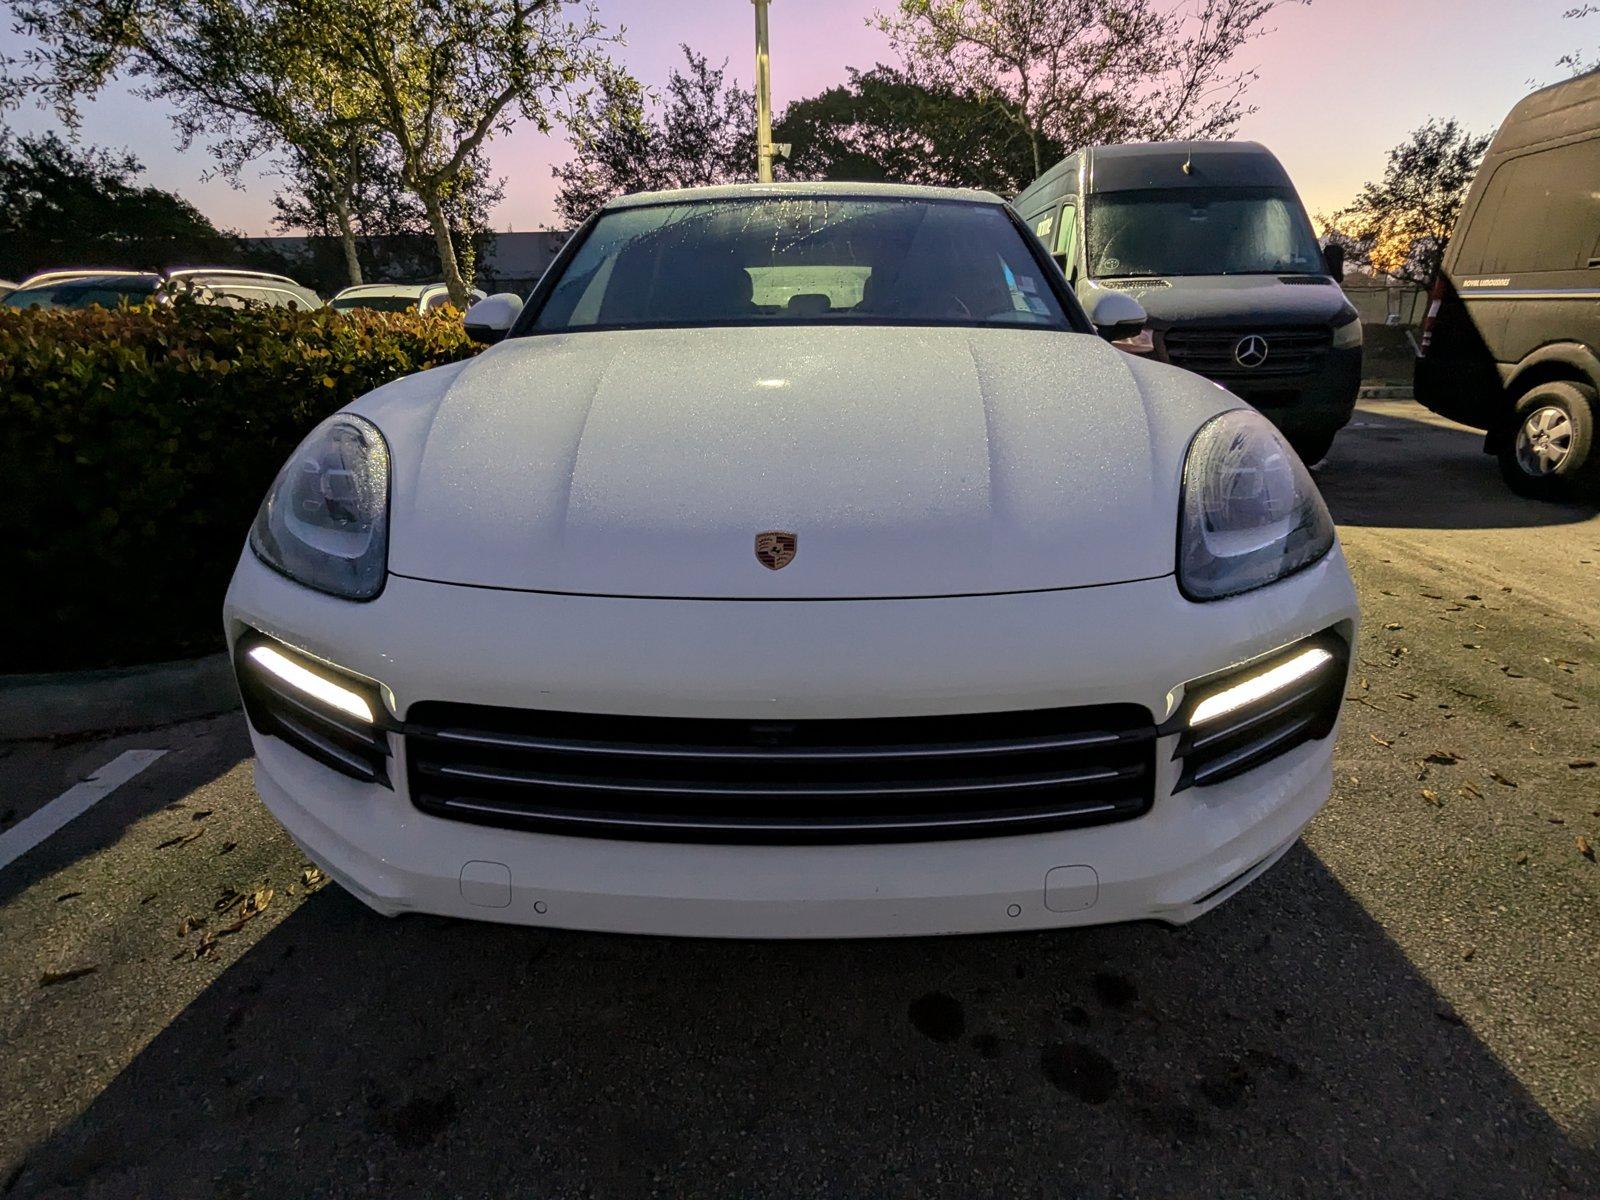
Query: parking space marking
<point x="72" y="803"/>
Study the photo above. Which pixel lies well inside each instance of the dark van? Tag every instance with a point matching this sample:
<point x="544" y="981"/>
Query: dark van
<point x="1212" y="239"/>
<point x="1511" y="344"/>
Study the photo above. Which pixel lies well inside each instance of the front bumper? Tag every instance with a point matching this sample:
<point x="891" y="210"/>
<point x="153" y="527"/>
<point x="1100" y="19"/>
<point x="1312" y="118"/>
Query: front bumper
<point x="1128" y="643"/>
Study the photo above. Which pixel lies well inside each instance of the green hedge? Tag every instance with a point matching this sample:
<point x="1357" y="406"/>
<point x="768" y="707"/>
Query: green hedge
<point x="135" y="447"/>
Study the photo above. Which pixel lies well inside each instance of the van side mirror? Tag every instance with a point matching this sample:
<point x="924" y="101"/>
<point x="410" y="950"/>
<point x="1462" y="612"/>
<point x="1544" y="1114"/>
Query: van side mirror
<point x="1116" y="315"/>
<point x="1333" y="256"/>
<point x="491" y="318"/>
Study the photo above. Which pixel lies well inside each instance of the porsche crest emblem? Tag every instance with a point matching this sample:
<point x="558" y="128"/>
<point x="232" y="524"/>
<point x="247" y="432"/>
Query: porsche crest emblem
<point x="775" y="548"/>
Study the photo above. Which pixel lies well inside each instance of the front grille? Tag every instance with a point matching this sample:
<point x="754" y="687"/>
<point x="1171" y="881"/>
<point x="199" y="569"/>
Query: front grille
<point x="333" y="738"/>
<point x="1246" y="738"/>
<point x="1210" y="352"/>
<point x="836" y="780"/>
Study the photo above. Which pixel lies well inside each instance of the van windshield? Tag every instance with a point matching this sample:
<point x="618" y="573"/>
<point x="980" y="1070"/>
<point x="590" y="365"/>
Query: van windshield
<point x="792" y="260"/>
<point x="1200" y="231"/>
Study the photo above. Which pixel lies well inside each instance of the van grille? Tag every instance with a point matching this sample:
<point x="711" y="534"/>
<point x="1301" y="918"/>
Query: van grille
<point x="1210" y="352"/>
<point x="717" y="780"/>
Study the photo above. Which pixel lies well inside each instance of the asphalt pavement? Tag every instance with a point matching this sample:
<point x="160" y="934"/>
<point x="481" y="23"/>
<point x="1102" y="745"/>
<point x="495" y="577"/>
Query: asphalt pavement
<point x="1408" y="1005"/>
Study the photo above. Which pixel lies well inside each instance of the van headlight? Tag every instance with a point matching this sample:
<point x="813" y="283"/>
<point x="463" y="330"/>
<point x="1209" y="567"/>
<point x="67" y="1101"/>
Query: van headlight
<point x="1251" y="514"/>
<point x="325" y="521"/>
<point x="1348" y="335"/>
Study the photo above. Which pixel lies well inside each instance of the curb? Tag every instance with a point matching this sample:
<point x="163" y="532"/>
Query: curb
<point x="73" y="702"/>
<point x="1384" y="393"/>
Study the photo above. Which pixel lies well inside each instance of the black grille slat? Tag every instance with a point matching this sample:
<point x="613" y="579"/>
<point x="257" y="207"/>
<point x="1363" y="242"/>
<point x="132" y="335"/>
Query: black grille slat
<point x="825" y="780"/>
<point x="1209" y="352"/>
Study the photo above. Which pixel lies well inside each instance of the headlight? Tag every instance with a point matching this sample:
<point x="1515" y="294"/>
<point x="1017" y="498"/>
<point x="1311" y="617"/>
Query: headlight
<point x="325" y="521"/>
<point x="1348" y="335"/>
<point x="1250" y="511"/>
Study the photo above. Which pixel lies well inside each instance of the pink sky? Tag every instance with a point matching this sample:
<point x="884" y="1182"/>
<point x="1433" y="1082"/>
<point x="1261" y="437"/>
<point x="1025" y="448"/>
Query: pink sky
<point x="1340" y="82"/>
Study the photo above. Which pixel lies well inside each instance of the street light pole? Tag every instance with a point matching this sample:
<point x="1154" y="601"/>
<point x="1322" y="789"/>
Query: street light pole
<point x="763" y="96"/>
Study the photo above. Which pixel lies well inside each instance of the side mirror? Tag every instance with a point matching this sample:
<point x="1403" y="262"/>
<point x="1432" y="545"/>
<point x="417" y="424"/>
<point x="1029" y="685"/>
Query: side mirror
<point x="1116" y="315"/>
<point x="491" y="318"/>
<point x="1333" y="255"/>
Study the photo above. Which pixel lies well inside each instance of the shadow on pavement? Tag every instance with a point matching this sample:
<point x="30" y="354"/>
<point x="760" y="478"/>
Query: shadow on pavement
<point x="197" y="753"/>
<point x="1414" y="471"/>
<point x="1281" y="1047"/>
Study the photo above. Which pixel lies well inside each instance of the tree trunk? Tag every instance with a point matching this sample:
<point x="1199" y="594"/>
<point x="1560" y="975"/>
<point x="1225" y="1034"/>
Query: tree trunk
<point x="449" y="267"/>
<point x="347" y="238"/>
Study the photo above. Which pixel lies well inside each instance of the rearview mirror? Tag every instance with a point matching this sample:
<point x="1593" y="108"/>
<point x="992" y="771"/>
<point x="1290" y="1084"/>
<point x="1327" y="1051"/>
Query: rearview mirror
<point x="1333" y="255"/>
<point x="1116" y="315"/>
<point x="491" y="318"/>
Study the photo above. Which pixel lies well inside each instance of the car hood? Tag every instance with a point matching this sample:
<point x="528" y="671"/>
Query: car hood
<point x="1237" y="300"/>
<point x="906" y="461"/>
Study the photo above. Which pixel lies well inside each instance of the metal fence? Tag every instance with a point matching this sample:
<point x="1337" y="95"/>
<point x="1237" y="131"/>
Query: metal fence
<point x="1393" y="304"/>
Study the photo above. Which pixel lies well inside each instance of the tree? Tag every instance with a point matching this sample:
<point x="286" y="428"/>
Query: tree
<point x="240" y="75"/>
<point x="438" y="78"/>
<point x="324" y="79"/>
<point x="1579" y="61"/>
<point x="881" y="125"/>
<point x="60" y="205"/>
<point x="628" y="140"/>
<point x="1077" y="72"/>
<point x="1400" y="225"/>
<point x="387" y="227"/>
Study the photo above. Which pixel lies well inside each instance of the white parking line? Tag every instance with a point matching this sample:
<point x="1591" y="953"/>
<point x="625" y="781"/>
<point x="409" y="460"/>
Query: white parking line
<point x="74" y="802"/>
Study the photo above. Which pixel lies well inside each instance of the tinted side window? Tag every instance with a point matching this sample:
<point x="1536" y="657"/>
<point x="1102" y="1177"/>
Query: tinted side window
<point x="1540" y="212"/>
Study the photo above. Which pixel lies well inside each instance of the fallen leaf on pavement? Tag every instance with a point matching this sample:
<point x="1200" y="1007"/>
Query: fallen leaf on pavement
<point x="1499" y="778"/>
<point x="1584" y="848"/>
<point x="1394" y="625"/>
<point x="51" y="978"/>
<point x="1581" y="764"/>
<point x="228" y="847"/>
<point x="1443" y="758"/>
<point x="179" y="841"/>
<point x="1379" y="740"/>
<point x="1432" y="797"/>
<point x="68" y="896"/>
<point x="1468" y="790"/>
<point x="201" y="815"/>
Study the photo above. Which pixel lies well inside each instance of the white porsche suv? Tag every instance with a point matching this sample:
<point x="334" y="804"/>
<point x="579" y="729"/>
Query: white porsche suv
<point x="801" y="561"/>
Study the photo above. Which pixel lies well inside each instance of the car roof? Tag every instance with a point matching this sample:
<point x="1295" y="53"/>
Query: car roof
<point x="227" y="273"/>
<point x="846" y="191"/>
<point x="1560" y="110"/>
<point x="1183" y="165"/>
<point x="40" y="278"/>
<point x="388" y="289"/>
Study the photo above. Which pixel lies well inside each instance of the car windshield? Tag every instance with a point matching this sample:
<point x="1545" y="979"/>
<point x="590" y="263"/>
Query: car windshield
<point x="1200" y="231"/>
<point x="380" y="303"/>
<point x="792" y="260"/>
<point x="81" y="293"/>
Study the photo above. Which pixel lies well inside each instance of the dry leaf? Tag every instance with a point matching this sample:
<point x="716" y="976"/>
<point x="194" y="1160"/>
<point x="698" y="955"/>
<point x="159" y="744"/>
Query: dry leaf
<point x="51" y="978"/>
<point x="1499" y="778"/>
<point x="179" y="841"/>
<point x="1468" y="790"/>
<point x="1394" y="625"/>
<point x="1584" y="848"/>
<point x="1581" y="764"/>
<point x="1379" y="740"/>
<point x="1432" y="797"/>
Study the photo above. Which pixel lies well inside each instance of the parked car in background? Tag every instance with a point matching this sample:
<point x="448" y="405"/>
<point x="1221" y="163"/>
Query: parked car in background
<point x="397" y="297"/>
<point x="1211" y="237"/>
<point x="801" y="561"/>
<point x="1511" y="343"/>
<point x="80" y="288"/>
<point x="233" y="287"/>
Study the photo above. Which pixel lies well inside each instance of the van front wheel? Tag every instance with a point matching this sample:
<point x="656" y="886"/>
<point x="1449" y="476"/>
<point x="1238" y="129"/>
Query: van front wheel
<point x="1549" y="451"/>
